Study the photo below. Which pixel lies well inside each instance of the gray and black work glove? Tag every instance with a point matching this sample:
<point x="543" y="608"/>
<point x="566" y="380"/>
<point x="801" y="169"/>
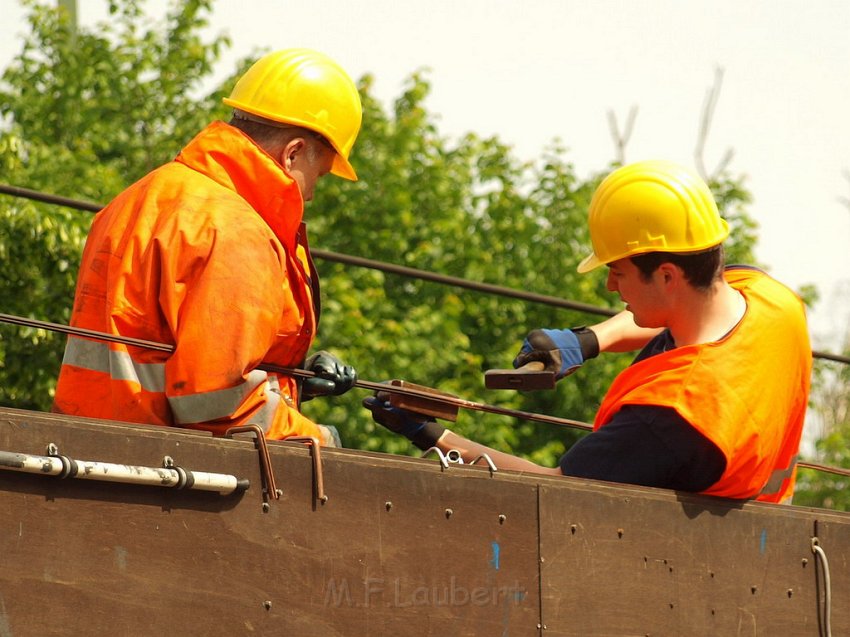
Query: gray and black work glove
<point x="332" y="378"/>
<point x="423" y="431"/>
<point x="561" y="351"/>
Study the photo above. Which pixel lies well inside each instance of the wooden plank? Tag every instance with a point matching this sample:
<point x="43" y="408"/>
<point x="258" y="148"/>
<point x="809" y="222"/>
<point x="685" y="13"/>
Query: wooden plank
<point x="410" y="549"/>
<point x="623" y="560"/>
<point x="402" y="546"/>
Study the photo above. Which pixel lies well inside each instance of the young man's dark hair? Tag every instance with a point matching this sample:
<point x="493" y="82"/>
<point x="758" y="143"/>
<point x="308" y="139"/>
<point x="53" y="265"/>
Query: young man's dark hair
<point x="701" y="269"/>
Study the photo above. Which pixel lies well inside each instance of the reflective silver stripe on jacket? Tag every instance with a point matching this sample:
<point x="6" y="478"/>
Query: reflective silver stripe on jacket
<point x="213" y="405"/>
<point x="203" y="407"/>
<point x="98" y="357"/>
<point x="265" y="415"/>
<point x="774" y="484"/>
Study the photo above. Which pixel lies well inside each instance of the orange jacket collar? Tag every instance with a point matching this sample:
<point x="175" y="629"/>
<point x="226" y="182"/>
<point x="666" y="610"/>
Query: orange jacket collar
<point x="232" y="159"/>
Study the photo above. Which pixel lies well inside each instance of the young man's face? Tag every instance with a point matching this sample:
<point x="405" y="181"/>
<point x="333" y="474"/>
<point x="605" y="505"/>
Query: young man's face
<point x="645" y="299"/>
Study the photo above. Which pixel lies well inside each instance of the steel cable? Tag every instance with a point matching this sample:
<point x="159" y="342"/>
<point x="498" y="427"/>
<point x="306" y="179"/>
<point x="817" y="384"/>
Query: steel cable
<point x="391" y="268"/>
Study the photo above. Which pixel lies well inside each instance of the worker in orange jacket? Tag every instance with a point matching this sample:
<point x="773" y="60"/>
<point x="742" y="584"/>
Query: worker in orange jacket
<point x="209" y="254"/>
<point x="714" y="402"/>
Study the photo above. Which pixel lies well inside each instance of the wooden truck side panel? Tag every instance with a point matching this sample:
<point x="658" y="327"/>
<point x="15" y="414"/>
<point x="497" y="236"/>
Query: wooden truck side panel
<point x="401" y="546"/>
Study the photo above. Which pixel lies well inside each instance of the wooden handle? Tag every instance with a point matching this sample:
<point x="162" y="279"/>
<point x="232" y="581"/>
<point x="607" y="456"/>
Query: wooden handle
<point x="533" y="366"/>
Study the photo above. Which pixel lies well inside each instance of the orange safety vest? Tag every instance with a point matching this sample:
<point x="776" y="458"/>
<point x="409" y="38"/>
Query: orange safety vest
<point x="207" y="253"/>
<point x="747" y="392"/>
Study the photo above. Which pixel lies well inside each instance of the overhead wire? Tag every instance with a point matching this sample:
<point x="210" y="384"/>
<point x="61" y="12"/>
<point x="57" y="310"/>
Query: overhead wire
<point x="425" y="275"/>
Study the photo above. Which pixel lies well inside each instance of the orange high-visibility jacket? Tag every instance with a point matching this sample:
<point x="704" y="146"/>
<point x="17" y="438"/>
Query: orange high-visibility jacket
<point x="747" y="392"/>
<point x="207" y="253"/>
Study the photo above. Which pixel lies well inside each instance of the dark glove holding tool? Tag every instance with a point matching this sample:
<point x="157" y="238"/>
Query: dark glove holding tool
<point x="332" y="378"/>
<point x="423" y="431"/>
<point x="561" y="351"/>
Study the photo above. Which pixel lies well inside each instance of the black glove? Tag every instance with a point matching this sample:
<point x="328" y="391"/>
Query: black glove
<point x="423" y="431"/>
<point x="332" y="378"/>
<point x="562" y="351"/>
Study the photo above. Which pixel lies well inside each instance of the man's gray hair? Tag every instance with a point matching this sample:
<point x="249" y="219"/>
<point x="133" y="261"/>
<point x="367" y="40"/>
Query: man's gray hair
<point x="273" y="136"/>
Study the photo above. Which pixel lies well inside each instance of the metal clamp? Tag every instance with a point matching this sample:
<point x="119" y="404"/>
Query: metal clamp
<point x="182" y="476"/>
<point x="69" y="467"/>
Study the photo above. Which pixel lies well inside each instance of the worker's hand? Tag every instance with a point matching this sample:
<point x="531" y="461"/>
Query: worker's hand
<point x="561" y="351"/>
<point x="423" y="431"/>
<point x="332" y="378"/>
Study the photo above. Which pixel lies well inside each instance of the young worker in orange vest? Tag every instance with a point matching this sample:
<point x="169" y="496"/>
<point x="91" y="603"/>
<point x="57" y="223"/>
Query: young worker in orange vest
<point x="209" y="253"/>
<point x="715" y="400"/>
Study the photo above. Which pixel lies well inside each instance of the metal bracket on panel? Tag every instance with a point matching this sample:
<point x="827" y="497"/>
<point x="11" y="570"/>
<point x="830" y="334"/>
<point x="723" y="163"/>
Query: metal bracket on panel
<point x="270" y="489"/>
<point x="317" y="464"/>
<point x="443" y="459"/>
<point x="825" y="606"/>
<point x="454" y="456"/>
<point x="490" y="464"/>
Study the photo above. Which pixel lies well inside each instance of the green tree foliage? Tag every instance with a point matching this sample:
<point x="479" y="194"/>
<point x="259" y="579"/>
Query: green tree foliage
<point x="831" y="408"/>
<point x="830" y="402"/>
<point x="90" y="112"/>
<point x="86" y="113"/>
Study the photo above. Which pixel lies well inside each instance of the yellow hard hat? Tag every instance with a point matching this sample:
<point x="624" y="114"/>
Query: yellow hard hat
<point x="651" y="206"/>
<point x="308" y="89"/>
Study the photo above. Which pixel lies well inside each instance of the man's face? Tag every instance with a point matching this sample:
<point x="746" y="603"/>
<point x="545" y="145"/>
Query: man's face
<point x="306" y="161"/>
<point x="645" y="299"/>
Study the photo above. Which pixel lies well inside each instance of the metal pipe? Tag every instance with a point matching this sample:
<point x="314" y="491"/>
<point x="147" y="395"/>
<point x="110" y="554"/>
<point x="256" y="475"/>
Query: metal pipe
<point x="172" y="477"/>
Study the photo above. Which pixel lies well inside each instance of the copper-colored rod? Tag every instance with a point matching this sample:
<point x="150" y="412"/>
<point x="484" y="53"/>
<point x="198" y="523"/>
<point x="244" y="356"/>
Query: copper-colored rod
<point x="365" y="384"/>
<point x="301" y="373"/>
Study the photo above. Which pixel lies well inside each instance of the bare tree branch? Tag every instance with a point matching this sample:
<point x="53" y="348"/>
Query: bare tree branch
<point x="845" y="201"/>
<point x="620" y="140"/>
<point x="709" y="104"/>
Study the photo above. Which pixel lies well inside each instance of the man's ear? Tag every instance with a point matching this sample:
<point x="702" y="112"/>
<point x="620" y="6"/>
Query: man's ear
<point x="292" y="152"/>
<point x="670" y="273"/>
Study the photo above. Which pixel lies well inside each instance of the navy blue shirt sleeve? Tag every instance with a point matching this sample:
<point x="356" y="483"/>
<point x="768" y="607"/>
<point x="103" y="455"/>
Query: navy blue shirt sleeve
<point x="650" y="446"/>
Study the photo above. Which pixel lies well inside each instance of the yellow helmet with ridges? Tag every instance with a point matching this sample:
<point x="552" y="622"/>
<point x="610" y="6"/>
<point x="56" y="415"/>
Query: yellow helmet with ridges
<point x="304" y="88"/>
<point x="651" y="206"/>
